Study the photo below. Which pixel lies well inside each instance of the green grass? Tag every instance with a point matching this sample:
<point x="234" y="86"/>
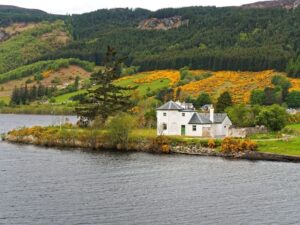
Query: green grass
<point x="66" y="97"/>
<point x="143" y="87"/>
<point x="286" y="147"/>
<point x="5" y="99"/>
<point x="43" y="109"/>
<point x="145" y="133"/>
<point x="294" y="126"/>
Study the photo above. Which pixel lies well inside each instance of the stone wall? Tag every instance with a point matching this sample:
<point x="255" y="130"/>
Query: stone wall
<point x="246" y="131"/>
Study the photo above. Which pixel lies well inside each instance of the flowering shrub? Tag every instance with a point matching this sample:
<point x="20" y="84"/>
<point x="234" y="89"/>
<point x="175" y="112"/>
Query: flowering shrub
<point x="171" y="75"/>
<point x="161" y="144"/>
<point x="47" y="73"/>
<point x="295" y="84"/>
<point x="230" y="145"/>
<point x="211" y="143"/>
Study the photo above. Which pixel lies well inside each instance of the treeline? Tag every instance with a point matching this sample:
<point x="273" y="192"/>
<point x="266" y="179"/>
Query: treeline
<point x="293" y="68"/>
<point x="24" y="94"/>
<point x="11" y="14"/>
<point x="250" y="59"/>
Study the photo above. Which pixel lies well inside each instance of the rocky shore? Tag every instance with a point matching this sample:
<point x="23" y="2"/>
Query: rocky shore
<point x="145" y="146"/>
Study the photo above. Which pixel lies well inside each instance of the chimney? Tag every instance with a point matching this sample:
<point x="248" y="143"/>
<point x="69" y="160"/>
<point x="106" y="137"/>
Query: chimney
<point x="211" y="113"/>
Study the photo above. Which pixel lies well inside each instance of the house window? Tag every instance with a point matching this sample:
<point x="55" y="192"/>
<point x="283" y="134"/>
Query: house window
<point x="165" y="114"/>
<point x="194" y="128"/>
<point x="183" y="114"/>
<point x="165" y="126"/>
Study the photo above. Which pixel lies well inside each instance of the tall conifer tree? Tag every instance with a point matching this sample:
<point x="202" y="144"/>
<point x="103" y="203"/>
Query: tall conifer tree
<point x="105" y="98"/>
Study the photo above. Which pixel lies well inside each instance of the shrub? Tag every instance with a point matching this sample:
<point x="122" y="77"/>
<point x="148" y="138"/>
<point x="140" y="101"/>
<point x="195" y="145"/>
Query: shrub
<point x="273" y="117"/>
<point x="161" y="144"/>
<point x="211" y="143"/>
<point x="230" y="145"/>
<point x="120" y="127"/>
<point x="293" y="99"/>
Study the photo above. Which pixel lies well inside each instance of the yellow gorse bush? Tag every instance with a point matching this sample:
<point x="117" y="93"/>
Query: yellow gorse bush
<point x="295" y="84"/>
<point x="171" y="75"/>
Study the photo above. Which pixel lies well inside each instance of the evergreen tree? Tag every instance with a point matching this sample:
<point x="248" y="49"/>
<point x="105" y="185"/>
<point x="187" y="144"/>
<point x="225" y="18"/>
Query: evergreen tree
<point x="107" y="99"/>
<point x="223" y="102"/>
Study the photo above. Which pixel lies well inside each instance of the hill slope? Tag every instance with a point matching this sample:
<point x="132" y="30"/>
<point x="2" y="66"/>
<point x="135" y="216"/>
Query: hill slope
<point x="231" y="38"/>
<point x="32" y="43"/>
<point x="286" y="4"/>
<point x="239" y="84"/>
<point x="246" y="39"/>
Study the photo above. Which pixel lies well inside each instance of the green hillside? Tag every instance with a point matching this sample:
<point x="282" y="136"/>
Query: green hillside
<point x="31" y="44"/>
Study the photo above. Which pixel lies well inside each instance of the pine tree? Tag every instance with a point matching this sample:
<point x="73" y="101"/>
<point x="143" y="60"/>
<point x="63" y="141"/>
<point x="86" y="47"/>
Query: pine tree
<point x="223" y="102"/>
<point x="106" y="99"/>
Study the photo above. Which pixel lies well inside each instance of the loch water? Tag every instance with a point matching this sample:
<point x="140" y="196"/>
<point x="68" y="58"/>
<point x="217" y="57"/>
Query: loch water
<point x="51" y="186"/>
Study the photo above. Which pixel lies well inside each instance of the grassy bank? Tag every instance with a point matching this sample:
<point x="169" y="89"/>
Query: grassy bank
<point x="43" y="109"/>
<point x="280" y="143"/>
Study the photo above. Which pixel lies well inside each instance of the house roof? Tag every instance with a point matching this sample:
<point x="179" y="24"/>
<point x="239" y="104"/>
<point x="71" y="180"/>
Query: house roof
<point x="204" y="118"/>
<point x="170" y="106"/>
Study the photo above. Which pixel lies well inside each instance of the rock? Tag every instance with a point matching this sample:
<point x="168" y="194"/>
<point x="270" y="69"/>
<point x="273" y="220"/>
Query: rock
<point x="163" y="24"/>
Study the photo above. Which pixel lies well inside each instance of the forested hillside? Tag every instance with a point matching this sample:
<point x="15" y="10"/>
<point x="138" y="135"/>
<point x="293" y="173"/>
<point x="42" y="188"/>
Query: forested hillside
<point x="216" y="38"/>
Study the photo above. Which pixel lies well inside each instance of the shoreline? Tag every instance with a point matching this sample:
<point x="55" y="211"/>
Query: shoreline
<point x="145" y="147"/>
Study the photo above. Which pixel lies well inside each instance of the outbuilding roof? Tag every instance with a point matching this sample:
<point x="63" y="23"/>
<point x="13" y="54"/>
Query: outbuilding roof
<point x="170" y="106"/>
<point x="204" y="118"/>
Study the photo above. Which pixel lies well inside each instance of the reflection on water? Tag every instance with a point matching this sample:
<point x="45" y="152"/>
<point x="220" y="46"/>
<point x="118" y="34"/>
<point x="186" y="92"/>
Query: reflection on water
<point x="49" y="186"/>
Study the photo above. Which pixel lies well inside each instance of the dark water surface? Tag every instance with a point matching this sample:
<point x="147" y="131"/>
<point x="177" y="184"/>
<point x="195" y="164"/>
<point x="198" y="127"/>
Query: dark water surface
<point x="49" y="186"/>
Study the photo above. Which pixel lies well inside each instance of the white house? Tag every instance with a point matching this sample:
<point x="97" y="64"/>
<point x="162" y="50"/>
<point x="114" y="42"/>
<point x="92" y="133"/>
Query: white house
<point x="175" y="118"/>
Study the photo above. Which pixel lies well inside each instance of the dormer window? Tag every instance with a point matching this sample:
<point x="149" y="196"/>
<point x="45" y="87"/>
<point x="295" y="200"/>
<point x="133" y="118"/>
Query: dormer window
<point x="165" y="114"/>
<point x="183" y="114"/>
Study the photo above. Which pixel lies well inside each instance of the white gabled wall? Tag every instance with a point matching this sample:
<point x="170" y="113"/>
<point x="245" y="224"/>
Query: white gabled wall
<point x="174" y="119"/>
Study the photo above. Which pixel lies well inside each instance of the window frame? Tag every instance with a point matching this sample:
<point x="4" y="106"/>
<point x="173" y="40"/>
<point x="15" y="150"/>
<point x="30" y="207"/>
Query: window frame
<point x="194" y="128"/>
<point x="165" y="126"/>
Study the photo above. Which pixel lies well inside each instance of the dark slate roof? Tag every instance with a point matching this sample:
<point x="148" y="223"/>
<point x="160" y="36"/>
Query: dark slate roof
<point x="203" y="118"/>
<point x="170" y="106"/>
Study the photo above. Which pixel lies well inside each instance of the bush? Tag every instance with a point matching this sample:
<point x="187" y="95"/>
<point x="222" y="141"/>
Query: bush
<point x="230" y="145"/>
<point x="2" y="104"/>
<point x="120" y="127"/>
<point x="293" y="99"/>
<point x="211" y="143"/>
<point x="273" y="117"/>
<point x="161" y="144"/>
